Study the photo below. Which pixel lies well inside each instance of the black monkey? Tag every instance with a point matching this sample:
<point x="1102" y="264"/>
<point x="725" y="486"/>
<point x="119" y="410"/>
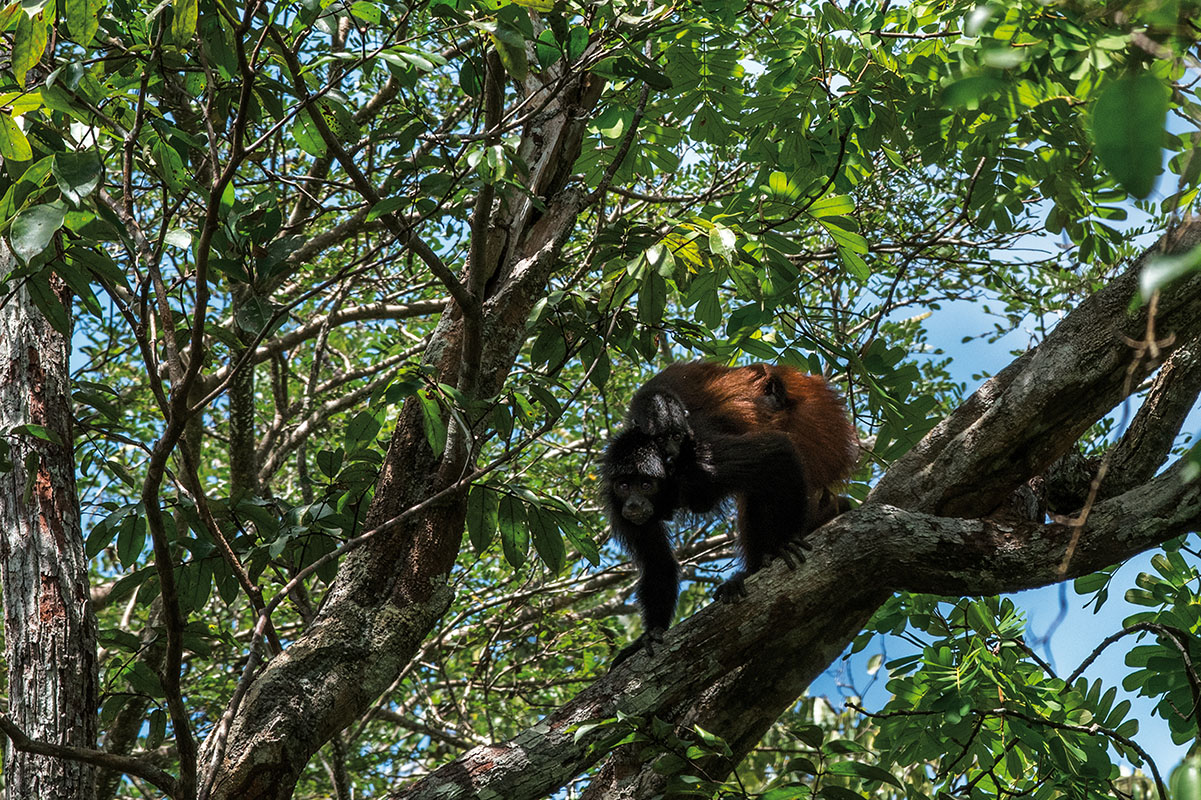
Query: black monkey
<point x="642" y="497"/>
<point x="698" y="433"/>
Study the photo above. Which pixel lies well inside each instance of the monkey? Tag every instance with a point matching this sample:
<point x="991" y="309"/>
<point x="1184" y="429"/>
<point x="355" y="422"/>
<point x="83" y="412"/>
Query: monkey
<point x="774" y="438"/>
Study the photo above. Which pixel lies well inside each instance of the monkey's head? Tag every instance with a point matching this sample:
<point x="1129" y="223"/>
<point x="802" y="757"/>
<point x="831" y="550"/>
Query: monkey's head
<point x="637" y="495"/>
<point x="663" y="417"/>
<point x="636" y="475"/>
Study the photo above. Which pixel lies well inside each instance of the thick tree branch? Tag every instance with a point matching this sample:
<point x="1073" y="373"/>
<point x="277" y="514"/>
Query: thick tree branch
<point x="389" y="592"/>
<point x="940" y="555"/>
<point x="99" y="758"/>
<point x="1024" y="418"/>
<point x="795" y="623"/>
<point x="1147" y="442"/>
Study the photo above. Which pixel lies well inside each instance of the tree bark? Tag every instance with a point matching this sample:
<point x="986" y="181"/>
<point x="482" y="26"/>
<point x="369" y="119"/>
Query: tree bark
<point x="49" y="626"/>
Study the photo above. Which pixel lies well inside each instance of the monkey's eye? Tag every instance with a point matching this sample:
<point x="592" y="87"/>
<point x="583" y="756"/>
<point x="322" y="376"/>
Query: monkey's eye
<point x="647" y="486"/>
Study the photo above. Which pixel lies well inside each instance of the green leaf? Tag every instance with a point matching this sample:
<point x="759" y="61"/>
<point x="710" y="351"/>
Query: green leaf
<point x="636" y="66"/>
<point x="362" y="430"/>
<point x="7" y="13"/>
<point x="471" y="81"/>
<point x="652" y="299"/>
<point x="386" y="206"/>
<point x="968" y="92"/>
<point x="307" y="136"/>
<point x="39" y="432"/>
<point x="1128" y="129"/>
<point x="548" y="542"/>
<point x="577" y="42"/>
<point x="510" y="46"/>
<point x="866" y="771"/>
<point x="722" y="241"/>
<point x="157" y="728"/>
<point x="183" y="23"/>
<point x="143" y="679"/>
<point x="845" y="239"/>
<point x="83" y="19"/>
<point x="547" y="49"/>
<point x="836" y="205"/>
<point x="13" y="144"/>
<point x="170" y="165"/>
<point x="514" y="537"/>
<point x="36" y="172"/>
<point x="130" y="539"/>
<point x="29" y="42"/>
<point x="338" y="119"/>
<point x="578" y="537"/>
<point x="855" y="264"/>
<point x="482" y="510"/>
<point x="368" y="12"/>
<point x="34" y="228"/>
<point x="781" y="187"/>
<point x="431" y="422"/>
<point x="77" y="174"/>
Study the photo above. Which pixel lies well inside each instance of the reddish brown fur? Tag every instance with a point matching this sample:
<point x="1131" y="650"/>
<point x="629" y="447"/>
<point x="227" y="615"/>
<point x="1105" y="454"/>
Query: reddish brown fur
<point x="815" y="417"/>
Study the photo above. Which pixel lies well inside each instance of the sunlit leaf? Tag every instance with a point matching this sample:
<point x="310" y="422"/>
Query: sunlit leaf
<point x="13" y="144"/>
<point x="83" y="19"/>
<point x="183" y="22"/>
<point x="34" y="228"/>
<point x="1128" y="129"/>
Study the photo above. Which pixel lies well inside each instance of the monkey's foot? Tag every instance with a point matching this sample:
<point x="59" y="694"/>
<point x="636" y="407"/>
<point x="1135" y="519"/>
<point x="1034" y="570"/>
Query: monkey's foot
<point x="733" y="589"/>
<point x="792" y="553"/>
<point x="646" y="641"/>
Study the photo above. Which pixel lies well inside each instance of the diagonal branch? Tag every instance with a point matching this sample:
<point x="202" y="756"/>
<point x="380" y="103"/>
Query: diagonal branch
<point x="1149" y="439"/>
<point x="791" y="624"/>
<point x="111" y="761"/>
<point x="1029" y="414"/>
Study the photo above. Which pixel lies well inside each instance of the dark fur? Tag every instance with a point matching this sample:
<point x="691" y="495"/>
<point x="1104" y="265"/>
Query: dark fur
<point x="698" y="433"/>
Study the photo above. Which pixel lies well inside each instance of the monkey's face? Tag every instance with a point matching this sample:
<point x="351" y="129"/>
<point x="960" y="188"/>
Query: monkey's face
<point x="670" y="444"/>
<point x="665" y="420"/>
<point x="637" y="496"/>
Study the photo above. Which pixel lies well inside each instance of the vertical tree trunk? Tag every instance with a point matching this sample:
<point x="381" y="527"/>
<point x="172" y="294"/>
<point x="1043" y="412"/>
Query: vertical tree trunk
<point x="49" y="626"/>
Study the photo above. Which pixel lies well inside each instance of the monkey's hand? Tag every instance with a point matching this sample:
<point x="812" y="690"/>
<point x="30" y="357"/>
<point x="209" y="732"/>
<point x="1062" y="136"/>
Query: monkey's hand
<point x="646" y="641"/>
<point x="734" y="589"/>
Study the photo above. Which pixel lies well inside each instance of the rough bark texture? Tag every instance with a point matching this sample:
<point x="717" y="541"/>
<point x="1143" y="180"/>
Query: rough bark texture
<point x="794" y="624"/>
<point x="1152" y="432"/>
<point x="1020" y="421"/>
<point x="50" y="630"/>
<point x="389" y="593"/>
<point x="746" y="665"/>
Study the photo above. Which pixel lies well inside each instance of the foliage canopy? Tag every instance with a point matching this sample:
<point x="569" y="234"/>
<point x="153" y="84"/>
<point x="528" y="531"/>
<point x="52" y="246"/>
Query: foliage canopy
<point x="356" y="292"/>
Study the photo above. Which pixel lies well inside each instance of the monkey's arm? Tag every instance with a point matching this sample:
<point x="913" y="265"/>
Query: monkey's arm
<point x="658" y="581"/>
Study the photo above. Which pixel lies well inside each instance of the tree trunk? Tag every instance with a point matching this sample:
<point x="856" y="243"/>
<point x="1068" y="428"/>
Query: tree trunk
<point x="49" y="626"/>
